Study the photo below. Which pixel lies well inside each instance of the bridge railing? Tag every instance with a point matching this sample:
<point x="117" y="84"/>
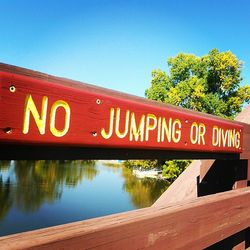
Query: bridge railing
<point x="46" y="117"/>
<point x="195" y="224"/>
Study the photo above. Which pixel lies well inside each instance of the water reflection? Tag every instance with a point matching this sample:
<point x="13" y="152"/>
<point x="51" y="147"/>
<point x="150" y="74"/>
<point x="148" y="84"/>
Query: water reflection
<point x="29" y="184"/>
<point x="36" y="194"/>
<point x="5" y="199"/>
<point x="144" y="192"/>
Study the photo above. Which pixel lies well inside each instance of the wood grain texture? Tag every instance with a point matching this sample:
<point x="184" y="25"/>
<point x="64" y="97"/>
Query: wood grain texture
<point x="246" y="140"/>
<point x="181" y="226"/>
<point x="183" y="188"/>
<point x="248" y="171"/>
<point x="92" y="111"/>
<point x="89" y="87"/>
<point x="192" y="225"/>
<point x="244" y="117"/>
<point x="240" y="184"/>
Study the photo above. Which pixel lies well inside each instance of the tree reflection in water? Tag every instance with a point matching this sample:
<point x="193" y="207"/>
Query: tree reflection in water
<point x="31" y="183"/>
<point x="34" y="187"/>
<point x="143" y="192"/>
<point x="5" y="199"/>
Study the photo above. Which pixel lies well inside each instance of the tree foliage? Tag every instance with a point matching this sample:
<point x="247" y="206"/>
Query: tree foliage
<point x="143" y="192"/>
<point x="145" y="164"/>
<point x="209" y="84"/>
<point x="172" y="169"/>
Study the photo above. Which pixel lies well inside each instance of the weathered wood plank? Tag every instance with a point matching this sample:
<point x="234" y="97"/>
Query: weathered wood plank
<point x="192" y="225"/>
<point x="244" y="117"/>
<point x="183" y="188"/>
<point x="246" y="141"/>
<point x="39" y="109"/>
<point x="248" y="171"/>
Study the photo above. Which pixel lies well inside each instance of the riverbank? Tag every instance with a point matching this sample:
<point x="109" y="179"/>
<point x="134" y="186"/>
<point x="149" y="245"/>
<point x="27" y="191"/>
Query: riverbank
<point x="111" y="161"/>
<point x="151" y="173"/>
<point x="139" y="173"/>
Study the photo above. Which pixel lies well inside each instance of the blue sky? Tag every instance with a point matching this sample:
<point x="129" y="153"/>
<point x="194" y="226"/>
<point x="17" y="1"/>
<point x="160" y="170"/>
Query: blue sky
<point x="116" y="44"/>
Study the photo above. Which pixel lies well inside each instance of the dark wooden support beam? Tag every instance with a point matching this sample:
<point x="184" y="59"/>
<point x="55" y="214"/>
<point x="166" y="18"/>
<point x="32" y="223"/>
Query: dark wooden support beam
<point x="248" y="172"/>
<point x="34" y="152"/>
<point x="223" y="175"/>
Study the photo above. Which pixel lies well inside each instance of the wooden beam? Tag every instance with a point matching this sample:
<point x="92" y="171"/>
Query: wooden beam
<point x="246" y="140"/>
<point x="244" y="117"/>
<point x="183" y="188"/>
<point x="240" y="184"/>
<point x="39" y="109"/>
<point x="192" y="225"/>
<point x="248" y="170"/>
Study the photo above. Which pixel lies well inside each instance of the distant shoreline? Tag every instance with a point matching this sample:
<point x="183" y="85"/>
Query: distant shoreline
<point x="111" y="161"/>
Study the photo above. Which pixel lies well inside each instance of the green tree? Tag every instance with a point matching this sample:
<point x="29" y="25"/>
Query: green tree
<point x="209" y="84"/>
<point x="145" y="164"/>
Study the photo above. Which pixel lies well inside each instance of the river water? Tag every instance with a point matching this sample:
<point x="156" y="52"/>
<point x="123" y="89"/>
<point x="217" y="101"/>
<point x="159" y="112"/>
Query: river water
<point x="37" y="194"/>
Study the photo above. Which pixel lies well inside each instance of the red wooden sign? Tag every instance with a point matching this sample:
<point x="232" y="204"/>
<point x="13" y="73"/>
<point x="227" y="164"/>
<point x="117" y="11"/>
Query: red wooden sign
<point x="36" y="110"/>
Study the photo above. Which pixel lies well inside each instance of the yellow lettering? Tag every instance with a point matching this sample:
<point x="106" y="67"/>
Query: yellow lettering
<point x="111" y="124"/>
<point x="176" y="131"/>
<point x="224" y="135"/>
<point x="231" y="138"/>
<point x="150" y="126"/>
<point x="166" y="129"/>
<point x="117" y="123"/>
<point x="159" y="130"/>
<point x="197" y="133"/>
<point x="194" y="133"/>
<point x="225" y="138"/>
<point x="216" y="136"/>
<point x="53" y="129"/>
<point x="237" y="137"/>
<point x="202" y="131"/>
<point x="134" y="132"/>
<point x="30" y="107"/>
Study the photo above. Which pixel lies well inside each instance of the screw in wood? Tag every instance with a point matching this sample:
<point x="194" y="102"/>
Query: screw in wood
<point x="12" y="89"/>
<point x="7" y="130"/>
<point x="98" y="101"/>
<point x="94" y="134"/>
